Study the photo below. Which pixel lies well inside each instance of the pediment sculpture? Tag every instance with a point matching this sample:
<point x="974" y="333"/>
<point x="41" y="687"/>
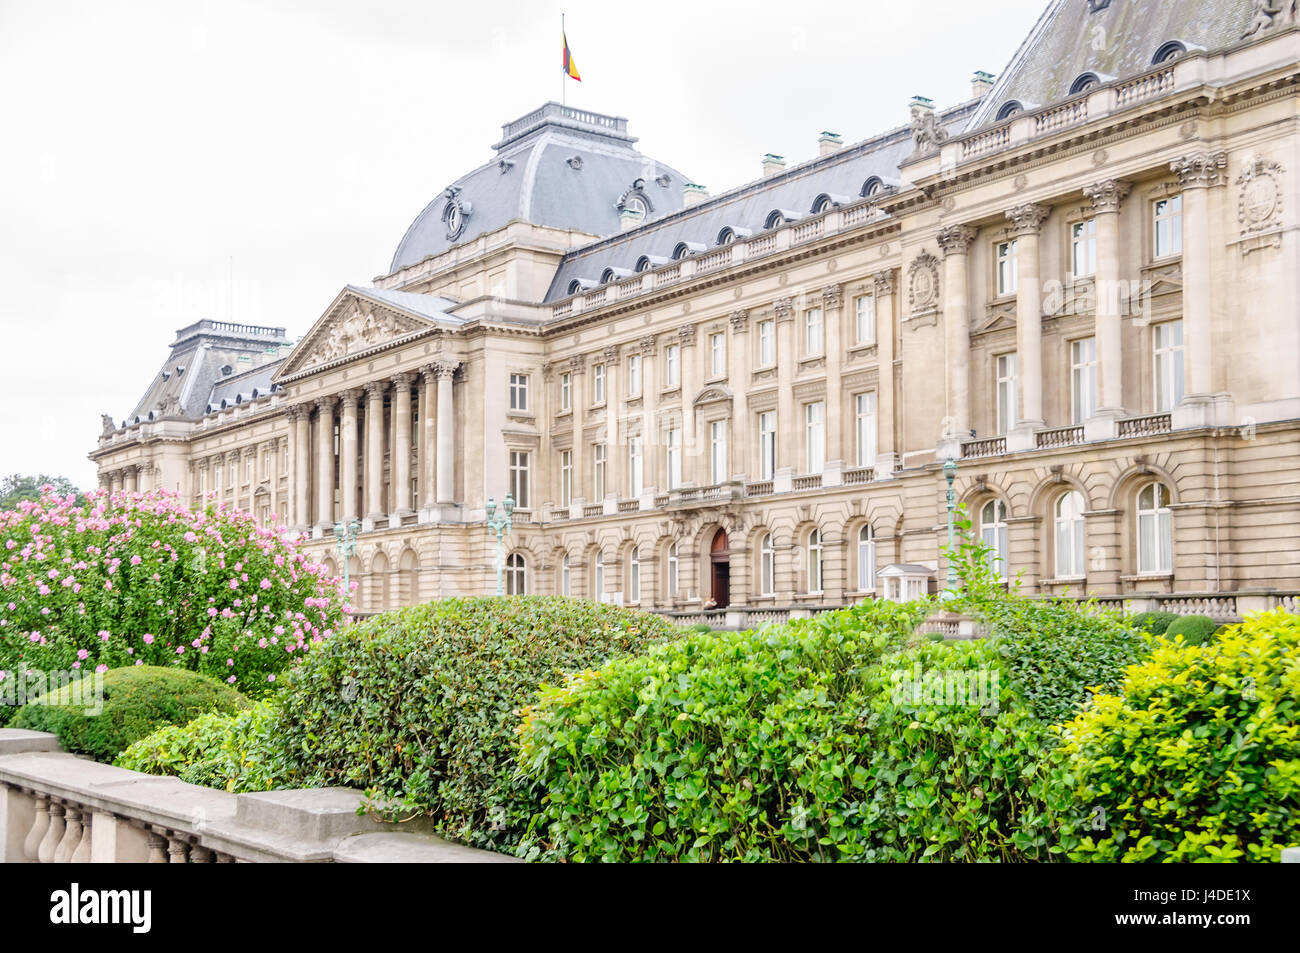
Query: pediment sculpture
<point x="361" y="329"/>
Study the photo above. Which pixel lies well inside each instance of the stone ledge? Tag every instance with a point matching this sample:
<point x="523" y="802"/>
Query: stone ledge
<point x="22" y="741"/>
<point x="400" y="847"/>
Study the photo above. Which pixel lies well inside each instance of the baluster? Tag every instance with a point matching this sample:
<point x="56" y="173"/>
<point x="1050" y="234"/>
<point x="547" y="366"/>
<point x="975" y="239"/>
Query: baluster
<point x="40" y="824"/>
<point x="156" y="853"/>
<point x="177" y="849"/>
<point x="45" y="853"/>
<point x="71" y="834"/>
<point x="225" y="858"/>
<point x="82" y="854"/>
<point x="200" y="855"/>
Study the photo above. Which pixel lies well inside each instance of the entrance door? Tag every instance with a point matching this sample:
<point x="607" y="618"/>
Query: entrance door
<point x="720" y="559"/>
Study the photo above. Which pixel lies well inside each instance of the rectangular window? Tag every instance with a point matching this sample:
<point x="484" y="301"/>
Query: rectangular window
<point x="635" y="467"/>
<point x="865" y="319"/>
<point x="866" y="428"/>
<point x="1008" y="267"/>
<point x="216" y="478"/>
<point x="814" y="416"/>
<point x="718" y="451"/>
<point x="673" y="365"/>
<point x="1168" y="230"/>
<point x="718" y="354"/>
<point x="1083" y="248"/>
<point x="812" y="319"/>
<point x="598" y="383"/>
<point x="519" y="478"/>
<point x="566" y="477"/>
<point x="566" y="392"/>
<point x="248" y="469"/>
<point x="766" y="343"/>
<point x="1006" y="365"/>
<point x="634" y="375"/>
<point x="598" y="471"/>
<point x="519" y="392"/>
<point x="766" y="444"/>
<point x="566" y="577"/>
<point x="1168" y="340"/>
<point x="1083" y="379"/>
<point x="266" y="462"/>
<point x="674" y="458"/>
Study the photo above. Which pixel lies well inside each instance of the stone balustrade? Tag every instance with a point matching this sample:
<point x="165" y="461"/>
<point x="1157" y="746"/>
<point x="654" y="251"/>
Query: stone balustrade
<point x="59" y="808"/>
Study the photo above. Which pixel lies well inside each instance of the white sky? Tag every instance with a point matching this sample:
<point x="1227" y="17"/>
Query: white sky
<point x="143" y="145"/>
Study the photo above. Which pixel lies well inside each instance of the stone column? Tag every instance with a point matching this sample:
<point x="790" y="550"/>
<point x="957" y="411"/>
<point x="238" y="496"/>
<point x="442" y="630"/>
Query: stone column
<point x="374" y="475"/>
<point x="131" y="478"/>
<point x="689" y="358"/>
<point x="886" y="450"/>
<point x="578" y="401"/>
<point x="1198" y="173"/>
<point x="1106" y="198"/>
<point x="738" y="376"/>
<point x="832" y="327"/>
<point x="234" y="464"/>
<point x="273" y="484"/>
<point x="615" y="446"/>
<point x="401" y="464"/>
<point x="348" y="454"/>
<point x="955" y="241"/>
<point x="325" y="462"/>
<point x="446" y="432"/>
<point x="428" y="438"/>
<point x="1026" y="221"/>
<point x="300" y="478"/>
<point x="787" y="356"/>
<point x="650" y="387"/>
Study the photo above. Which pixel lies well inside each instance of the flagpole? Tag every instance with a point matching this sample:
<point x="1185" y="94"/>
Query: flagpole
<point x="564" y="87"/>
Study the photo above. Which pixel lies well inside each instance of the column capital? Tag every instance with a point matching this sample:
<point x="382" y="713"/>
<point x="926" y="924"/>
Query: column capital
<point x="610" y="355"/>
<point x="403" y="379"/>
<point x="445" y="369"/>
<point x="1027" y="219"/>
<point x="326" y="403"/>
<point x="577" y="363"/>
<point x="831" y="296"/>
<point x="647" y="344"/>
<point x="298" y="411"/>
<point x="232" y="456"/>
<point x="783" y="308"/>
<point x="375" y="390"/>
<point x="350" y="397"/>
<point x="1201" y="170"/>
<point x="1106" y="196"/>
<point x="686" y="335"/>
<point x="884" y="282"/>
<point x="739" y="321"/>
<point x="956" y="239"/>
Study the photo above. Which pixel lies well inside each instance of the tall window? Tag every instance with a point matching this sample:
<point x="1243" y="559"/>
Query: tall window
<point x="566" y="577"/>
<point x="1167" y="215"/>
<point x="766" y="343"/>
<point x="1083" y="248"/>
<point x="1083" y="379"/>
<point x="672" y="574"/>
<point x="1168" y="352"/>
<point x="1008" y="267"/>
<point x="1155" y="529"/>
<point x="248" y="469"/>
<point x="1068" y="518"/>
<point x="766" y="566"/>
<point x="516" y="582"/>
<point x="266" y="463"/>
<point x="718" y="354"/>
<point x="634" y="575"/>
<point x="1006" y="367"/>
<point x="866" y="428"/>
<point x="812" y="342"/>
<point x="635" y="467"/>
<point x="673" y="365"/>
<point x="814" y="416"/>
<point x="718" y="451"/>
<point x="519" y="478"/>
<point x="519" y="392"/>
<point x="633" y="375"/>
<point x="566" y="392"/>
<point x="993" y="533"/>
<point x="598" y="470"/>
<point x="598" y="383"/>
<point x="598" y="578"/>
<point x="815" y="564"/>
<point x="766" y="444"/>
<point x="566" y="477"/>
<point x="674" y="458"/>
<point x="216" y="477"/>
<point x="866" y="559"/>
<point x="865" y="319"/>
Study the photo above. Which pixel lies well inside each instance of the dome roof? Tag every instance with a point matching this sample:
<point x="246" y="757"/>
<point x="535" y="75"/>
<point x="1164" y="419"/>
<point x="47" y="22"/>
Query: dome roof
<point x="556" y="166"/>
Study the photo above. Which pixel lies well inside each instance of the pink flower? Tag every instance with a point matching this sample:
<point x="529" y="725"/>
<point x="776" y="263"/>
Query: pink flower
<point x="148" y="639"/>
<point x="101" y="668"/>
<point x="265" y="584"/>
<point x="136" y="560"/>
<point x="82" y="653"/>
<point x="231" y="680"/>
<point x="103" y="635"/>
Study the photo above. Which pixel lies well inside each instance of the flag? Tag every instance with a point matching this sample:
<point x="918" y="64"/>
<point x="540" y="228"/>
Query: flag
<point x="570" y="68"/>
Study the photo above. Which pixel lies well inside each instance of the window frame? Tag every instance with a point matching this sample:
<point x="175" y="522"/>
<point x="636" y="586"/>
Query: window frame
<point x="1164" y="222"/>
<point x="1000" y="541"/>
<point x="516" y="574"/>
<point x="767" y="343"/>
<point x="816" y="545"/>
<point x="518" y="393"/>
<point x="1073" y="526"/>
<point x="1168" y="383"/>
<point x="597" y="384"/>
<point x="1083" y="380"/>
<point x="767" y="455"/>
<point x="1006" y="267"/>
<point x="1087" y="241"/>
<point x="718" y="354"/>
<point x="520" y="478"/>
<point x="1006" y="391"/>
<point x="634" y="375"/>
<point x="814" y="332"/>
<point x="673" y="447"/>
<point x="864" y="320"/>
<point x="566" y="392"/>
<point x="599" y="458"/>
<point x="1161" y="517"/>
<point x="766" y="565"/>
<point x="566" y="478"/>
<point x="673" y="366"/>
<point x="866" y="450"/>
<point x="866" y="546"/>
<point x="718" y="451"/>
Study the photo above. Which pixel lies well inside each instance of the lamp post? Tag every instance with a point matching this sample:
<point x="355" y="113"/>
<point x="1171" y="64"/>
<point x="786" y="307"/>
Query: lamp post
<point x="950" y="474"/>
<point x="346" y="543"/>
<point x="500" y="527"/>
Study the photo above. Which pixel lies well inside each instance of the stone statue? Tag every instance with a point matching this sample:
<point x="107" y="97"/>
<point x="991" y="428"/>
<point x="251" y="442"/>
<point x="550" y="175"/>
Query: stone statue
<point x="106" y="426"/>
<point x="1266" y="15"/>
<point x="926" y="134"/>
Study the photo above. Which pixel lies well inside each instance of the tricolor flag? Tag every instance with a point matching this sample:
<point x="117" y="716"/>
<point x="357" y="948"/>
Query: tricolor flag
<point x="570" y="68"/>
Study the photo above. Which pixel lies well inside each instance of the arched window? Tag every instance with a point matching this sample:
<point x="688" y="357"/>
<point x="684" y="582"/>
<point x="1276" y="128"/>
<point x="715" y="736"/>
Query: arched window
<point x="575" y="286"/>
<point x="1012" y="108"/>
<point x="993" y="533"/>
<point x="815" y="562"/>
<point x="1168" y="52"/>
<point x="1068" y="520"/>
<point x="1084" y="83"/>
<point x="823" y="203"/>
<point x="766" y="566"/>
<point x="634" y="575"/>
<point x="726" y="236"/>
<point x="683" y="250"/>
<point x="775" y="218"/>
<point x="674" y="565"/>
<point x="566" y="577"/>
<point x="607" y="276"/>
<point x="643" y="263"/>
<point x="1155" y="529"/>
<point x="598" y="578"/>
<point x="872" y="187"/>
<point x="516" y="575"/>
<point x="866" y="559"/>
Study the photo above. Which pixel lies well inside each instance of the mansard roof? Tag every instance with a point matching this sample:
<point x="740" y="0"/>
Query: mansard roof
<point x="557" y="166"/>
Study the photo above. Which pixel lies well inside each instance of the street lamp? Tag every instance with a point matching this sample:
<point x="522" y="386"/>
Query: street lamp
<point x="500" y="527"/>
<point x="950" y="474"/>
<point x="346" y="544"/>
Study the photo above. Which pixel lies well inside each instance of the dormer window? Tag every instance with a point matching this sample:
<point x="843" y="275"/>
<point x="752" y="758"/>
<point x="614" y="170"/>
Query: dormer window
<point x="685" y="250"/>
<point x="1084" y="83"/>
<point x="1012" y="108"/>
<point x="226" y="370"/>
<point x="872" y="187"/>
<point x="778" y="217"/>
<point x="574" y="286"/>
<point x="726" y="236"/>
<point x="643" y="264"/>
<point x="1168" y="52"/>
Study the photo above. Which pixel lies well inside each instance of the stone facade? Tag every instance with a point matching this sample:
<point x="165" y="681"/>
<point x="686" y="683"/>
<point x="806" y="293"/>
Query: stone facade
<point x="1090" y="305"/>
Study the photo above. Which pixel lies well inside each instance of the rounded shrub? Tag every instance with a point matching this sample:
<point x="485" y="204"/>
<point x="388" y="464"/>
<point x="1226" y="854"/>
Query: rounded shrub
<point x="133" y="703"/>
<point x="1195" y="629"/>
<point x="1154" y="623"/>
<point x="420" y="706"/>
<point x="1197" y="758"/>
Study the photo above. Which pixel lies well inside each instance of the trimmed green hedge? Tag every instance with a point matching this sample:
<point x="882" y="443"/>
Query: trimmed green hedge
<point x="1195" y="629"/>
<point x="1153" y="622"/>
<point x="136" y="701"/>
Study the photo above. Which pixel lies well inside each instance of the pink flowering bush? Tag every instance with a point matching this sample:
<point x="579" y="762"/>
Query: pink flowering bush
<point x="139" y="579"/>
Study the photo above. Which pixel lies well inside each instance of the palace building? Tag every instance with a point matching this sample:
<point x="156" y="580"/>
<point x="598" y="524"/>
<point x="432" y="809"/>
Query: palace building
<point x="1082" y="286"/>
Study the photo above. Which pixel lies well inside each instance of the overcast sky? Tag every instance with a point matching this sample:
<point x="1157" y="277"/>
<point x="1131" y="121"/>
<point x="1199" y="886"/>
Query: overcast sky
<point x="146" y="146"/>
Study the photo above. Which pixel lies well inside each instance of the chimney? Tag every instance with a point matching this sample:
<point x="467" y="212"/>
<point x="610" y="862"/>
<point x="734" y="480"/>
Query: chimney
<point x="629" y="218"/>
<point x="980" y="84"/>
<point x="828" y="142"/>
<point x="772" y="164"/>
<point x="693" y="194"/>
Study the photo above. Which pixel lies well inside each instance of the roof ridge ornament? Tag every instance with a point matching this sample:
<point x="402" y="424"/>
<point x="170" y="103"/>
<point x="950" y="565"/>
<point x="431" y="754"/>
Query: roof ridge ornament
<point x="1268" y="15"/>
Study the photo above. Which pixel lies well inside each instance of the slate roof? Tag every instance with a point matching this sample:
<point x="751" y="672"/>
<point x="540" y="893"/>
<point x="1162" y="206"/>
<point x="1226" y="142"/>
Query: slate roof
<point x="426" y="306"/>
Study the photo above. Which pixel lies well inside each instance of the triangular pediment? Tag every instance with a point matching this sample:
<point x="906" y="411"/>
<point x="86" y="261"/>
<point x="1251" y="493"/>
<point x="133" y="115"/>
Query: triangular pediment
<point x="352" y="325"/>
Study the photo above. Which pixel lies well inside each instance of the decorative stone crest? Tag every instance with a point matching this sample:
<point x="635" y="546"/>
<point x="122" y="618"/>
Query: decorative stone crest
<point x="739" y="321"/>
<point x="1259" y="199"/>
<point x="610" y="355"/>
<point x="1268" y="15"/>
<point x="1027" y="219"/>
<point x="686" y="334"/>
<point x="577" y="363"/>
<point x="1106" y="196"/>
<point x="831" y="296"/>
<point x="1200" y="169"/>
<point x="783" y="308"/>
<point x="923" y="283"/>
<point x="455" y="213"/>
<point x="647" y="344"/>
